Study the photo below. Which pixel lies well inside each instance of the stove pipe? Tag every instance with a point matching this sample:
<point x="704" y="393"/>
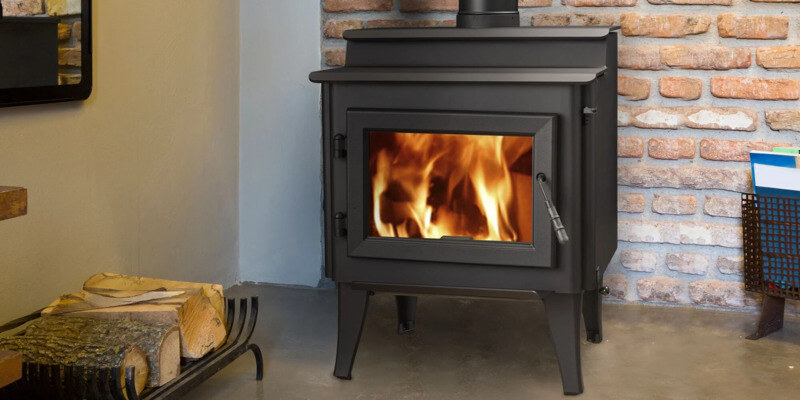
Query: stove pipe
<point x="488" y="13"/>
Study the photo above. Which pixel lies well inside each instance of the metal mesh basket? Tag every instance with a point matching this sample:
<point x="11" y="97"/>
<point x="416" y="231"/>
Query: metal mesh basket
<point x="771" y="245"/>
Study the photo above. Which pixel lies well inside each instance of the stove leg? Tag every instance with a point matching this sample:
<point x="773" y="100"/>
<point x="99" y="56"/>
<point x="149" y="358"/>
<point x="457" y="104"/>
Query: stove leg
<point x="593" y="315"/>
<point x="352" y="311"/>
<point x="406" y="311"/>
<point x="771" y="319"/>
<point x="564" y="317"/>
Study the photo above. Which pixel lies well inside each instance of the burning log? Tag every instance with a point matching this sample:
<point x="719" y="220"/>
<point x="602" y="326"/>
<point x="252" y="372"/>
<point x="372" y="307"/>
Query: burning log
<point x="160" y="342"/>
<point x="70" y="352"/>
<point x="196" y="308"/>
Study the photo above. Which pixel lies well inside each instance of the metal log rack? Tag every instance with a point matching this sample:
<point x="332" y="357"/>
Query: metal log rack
<point x="79" y="383"/>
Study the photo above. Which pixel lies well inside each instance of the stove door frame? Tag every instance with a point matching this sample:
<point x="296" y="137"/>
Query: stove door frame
<point x="360" y="122"/>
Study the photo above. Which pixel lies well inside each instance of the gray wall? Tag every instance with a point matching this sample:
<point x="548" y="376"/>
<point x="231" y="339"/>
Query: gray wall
<point x="142" y="177"/>
<point x="280" y="175"/>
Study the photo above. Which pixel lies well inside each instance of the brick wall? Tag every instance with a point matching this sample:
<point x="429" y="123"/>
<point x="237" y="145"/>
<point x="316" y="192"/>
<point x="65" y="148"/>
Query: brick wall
<point x="702" y="82"/>
<point x="69" y="31"/>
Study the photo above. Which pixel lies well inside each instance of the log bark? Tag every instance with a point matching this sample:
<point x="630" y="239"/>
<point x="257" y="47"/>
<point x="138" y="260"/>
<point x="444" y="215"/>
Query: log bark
<point x="201" y="327"/>
<point x="60" y="351"/>
<point x="160" y="342"/>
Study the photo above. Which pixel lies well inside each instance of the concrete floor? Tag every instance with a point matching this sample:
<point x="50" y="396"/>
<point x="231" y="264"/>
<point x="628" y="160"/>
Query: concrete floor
<point x="489" y="349"/>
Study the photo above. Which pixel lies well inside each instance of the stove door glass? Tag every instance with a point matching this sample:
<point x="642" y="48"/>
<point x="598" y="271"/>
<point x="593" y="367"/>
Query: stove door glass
<point x="451" y="186"/>
<point x="444" y="186"/>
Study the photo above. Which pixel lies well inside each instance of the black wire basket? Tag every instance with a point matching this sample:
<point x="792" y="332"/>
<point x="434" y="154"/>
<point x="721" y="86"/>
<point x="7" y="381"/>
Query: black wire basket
<point x="771" y="230"/>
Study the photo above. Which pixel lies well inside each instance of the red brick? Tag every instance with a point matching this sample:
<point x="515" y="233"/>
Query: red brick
<point x="708" y="57"/>
<point x="639" y="261"/>
<point x="734" y="87"/>
<point x="334" y="28"/>
<point x="684" y="177"/>
<point x="729" y="118"/>
<point x="733" y="150"/>
<point x="721" y="118"/>
<point x="680" y="87"/>
<point x="535" y="3"/>
<point x="335" y="56"/>
<point x="731" y="265"/>
<point x="401" y="23"/>
<point x="599" y="3"/>
<point x="72" y="56"/>
<point x="22" y="8"/>
<point x="660" y="289"/>
<point x="573" y="20"/>
<point x="358" y="5"/>
<point x="778" y="57"/>
<point x="656" y="117"/>
<point x="630" y="147"/>
<point x="683" y="204"/>
<point x="753" y="26"/>
<point x="617" y="285"/>
<point x="633" y="88"/>
<point x="783" y="120"/>
<point x="428" y="5"/>
<point x="630" y="203"/>
<point x="643" y="231"/>
<point x="720" y="293"/>
<point x="671" y="148"/>
<point x="664" y="25"/>
<point x="723" y="206"/>
<point x="686" y="232"/>
<point x="639" y="57"/>
<point x="693" y="2"/>
<point x="695" y="264"/>
<point x="64" y="31"/>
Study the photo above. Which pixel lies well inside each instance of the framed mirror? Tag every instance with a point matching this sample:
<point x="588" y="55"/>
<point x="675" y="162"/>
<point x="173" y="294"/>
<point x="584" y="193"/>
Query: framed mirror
<point x="45" y="51"/>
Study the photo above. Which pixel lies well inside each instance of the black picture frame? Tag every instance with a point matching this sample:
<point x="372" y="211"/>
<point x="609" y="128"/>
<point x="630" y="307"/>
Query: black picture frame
<point x="60" y="93"/>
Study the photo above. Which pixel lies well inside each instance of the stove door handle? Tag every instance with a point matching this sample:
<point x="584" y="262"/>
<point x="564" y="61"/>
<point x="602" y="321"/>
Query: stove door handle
<point x="555" y="219"/>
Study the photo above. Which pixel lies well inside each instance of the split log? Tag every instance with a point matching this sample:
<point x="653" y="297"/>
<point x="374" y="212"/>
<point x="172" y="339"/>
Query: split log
<point x="60" y="351"/>
<point x="117" y="283"/>
<point x="10" y="367"/>
<point x="201" y="326"/>
<point x="160" y="342"/>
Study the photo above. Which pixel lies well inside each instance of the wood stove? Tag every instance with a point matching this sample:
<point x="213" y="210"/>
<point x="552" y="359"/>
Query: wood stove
<point x="472" y="162"/>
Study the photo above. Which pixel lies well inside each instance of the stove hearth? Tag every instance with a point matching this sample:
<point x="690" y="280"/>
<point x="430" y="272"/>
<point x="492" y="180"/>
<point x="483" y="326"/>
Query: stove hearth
<point x="472" y="162"/>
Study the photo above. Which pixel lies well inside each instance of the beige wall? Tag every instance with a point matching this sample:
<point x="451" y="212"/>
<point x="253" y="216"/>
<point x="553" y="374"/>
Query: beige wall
<point x="142" y="177"/>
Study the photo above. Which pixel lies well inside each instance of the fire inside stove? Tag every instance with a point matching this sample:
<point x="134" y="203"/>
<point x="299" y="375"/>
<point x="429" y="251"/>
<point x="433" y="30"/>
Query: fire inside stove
<point x="459" y="186"/>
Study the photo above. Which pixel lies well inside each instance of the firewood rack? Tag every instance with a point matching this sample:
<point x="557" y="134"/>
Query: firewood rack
<point x="771" y="231"/>
<point x="77" y="383"/>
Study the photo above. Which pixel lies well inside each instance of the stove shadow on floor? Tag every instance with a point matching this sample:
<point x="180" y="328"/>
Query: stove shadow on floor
<point x="488" y="349"/>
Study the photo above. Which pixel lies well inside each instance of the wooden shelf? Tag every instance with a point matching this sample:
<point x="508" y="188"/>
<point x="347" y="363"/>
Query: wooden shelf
<point x="13" y="202"/>
<point x="10" y="367"/>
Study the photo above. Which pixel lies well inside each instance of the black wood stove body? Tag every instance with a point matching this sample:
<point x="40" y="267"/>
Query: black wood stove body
<point x="549" y="95"/>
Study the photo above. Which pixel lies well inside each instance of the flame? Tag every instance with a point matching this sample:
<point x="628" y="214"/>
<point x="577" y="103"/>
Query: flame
<point x="434" y="185"/>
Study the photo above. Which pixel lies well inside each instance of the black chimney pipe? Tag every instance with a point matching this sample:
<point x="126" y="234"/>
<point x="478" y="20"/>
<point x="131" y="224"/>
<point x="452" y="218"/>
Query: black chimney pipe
<point x="488" y="13"/>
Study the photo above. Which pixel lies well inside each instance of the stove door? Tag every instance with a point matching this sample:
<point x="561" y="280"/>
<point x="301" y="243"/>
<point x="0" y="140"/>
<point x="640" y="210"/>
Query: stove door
<point x="450" y="187"/>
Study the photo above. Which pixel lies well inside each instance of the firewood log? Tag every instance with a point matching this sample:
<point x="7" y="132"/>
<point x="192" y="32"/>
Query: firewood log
<point x="201" y="327"/>
<point x="160" y="342"/>
<point x="67" y="352"/>
<point x="117" y="283"/>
